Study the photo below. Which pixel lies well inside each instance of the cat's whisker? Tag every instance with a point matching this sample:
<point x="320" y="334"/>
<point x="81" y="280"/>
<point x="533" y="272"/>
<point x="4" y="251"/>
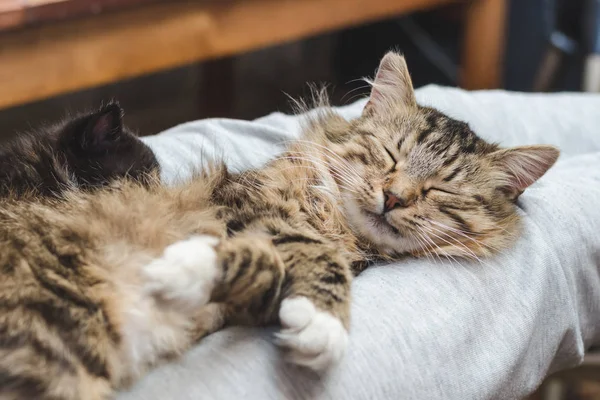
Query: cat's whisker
<point x="308" y="179"/>
<point x="328" y="150"/>
<point x="433" y="247"/>
<point x="349" y="175"/>
<point x="344" y="166"/>
<point x="430" y="233"/>
<point x="344" y="169"/>
<point x="429" y="244"/>
<point x="466" y="268"/>
<point x="347" y="182"/>
<point x="463" y="234"/>
<point x="342" y="177"/>
<point x="463" y="249"/>
<point x="340" y="185"/>
<point x="443" y="253"/>
<point x="480" y="260"/>
<point x="350" y="181"/>
<point x="426" y="248"/>
<point x="332" y="156"/>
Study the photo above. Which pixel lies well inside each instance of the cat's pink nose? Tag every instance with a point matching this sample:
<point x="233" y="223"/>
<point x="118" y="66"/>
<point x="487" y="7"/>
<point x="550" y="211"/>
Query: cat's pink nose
<point x="392" y="201"/>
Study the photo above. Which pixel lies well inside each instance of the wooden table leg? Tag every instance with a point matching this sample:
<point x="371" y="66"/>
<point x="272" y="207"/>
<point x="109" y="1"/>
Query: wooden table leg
<point x="483" y="45"/>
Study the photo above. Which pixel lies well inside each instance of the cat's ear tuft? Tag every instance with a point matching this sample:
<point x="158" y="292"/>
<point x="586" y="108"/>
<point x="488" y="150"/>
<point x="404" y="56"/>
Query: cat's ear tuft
<point x="103" y="128"/>
<point x="392" y="88"/>
<point x="521" y="166"/>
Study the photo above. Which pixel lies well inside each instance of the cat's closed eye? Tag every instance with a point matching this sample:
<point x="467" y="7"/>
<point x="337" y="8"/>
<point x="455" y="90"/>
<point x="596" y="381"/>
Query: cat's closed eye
<point x="438" y="189"/>
<point x="392" y="157"/>
<point x="389" y="153"/>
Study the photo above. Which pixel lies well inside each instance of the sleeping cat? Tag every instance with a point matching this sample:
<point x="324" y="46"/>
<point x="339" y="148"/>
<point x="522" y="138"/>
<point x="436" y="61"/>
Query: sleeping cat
<point x="85" y="151"/>
<point x="101" y="286"/>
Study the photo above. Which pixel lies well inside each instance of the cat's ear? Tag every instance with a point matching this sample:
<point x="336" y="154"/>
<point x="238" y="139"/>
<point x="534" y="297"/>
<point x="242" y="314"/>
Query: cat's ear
<point x="103" y="128"/>
<point x="520" y="167"/>
<point x="392" y="88"/>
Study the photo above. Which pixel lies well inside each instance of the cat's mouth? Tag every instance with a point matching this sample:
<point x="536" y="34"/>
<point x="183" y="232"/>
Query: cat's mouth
<point x="381" y="222"/>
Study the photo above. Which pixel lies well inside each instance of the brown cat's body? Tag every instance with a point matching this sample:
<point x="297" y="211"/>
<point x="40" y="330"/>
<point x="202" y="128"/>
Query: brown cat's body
<point x="73" y="287"/>
<point x="83" y="309"/>
<point x="100" y="286"/>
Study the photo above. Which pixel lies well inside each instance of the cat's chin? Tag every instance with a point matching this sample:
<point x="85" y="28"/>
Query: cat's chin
<point x="377" y="230"/>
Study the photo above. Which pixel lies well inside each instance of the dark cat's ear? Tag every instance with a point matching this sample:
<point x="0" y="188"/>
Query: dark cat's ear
<point x="102" y="128"/>
<point x="392" y="87"/>
<point x="521" y="166"/>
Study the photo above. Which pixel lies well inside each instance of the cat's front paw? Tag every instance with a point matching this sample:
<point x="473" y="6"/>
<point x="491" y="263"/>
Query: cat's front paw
<point x="315" y="339"/>
<point x="186" y="272"/>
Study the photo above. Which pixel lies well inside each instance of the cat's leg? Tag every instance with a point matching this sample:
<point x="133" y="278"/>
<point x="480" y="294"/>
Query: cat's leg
<point x="253" y="275"/>
<point x="315" y="310"/>
<point x="185" y="273"/>
<point x="312" y="279"/>
<point x="248" y="292"/>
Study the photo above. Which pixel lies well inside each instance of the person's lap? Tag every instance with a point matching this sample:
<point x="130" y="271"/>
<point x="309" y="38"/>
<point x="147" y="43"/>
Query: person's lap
<point x="429" y="328"/>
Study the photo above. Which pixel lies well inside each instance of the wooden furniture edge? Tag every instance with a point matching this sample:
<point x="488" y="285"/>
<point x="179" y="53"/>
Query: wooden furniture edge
<point x="78" y="54"/>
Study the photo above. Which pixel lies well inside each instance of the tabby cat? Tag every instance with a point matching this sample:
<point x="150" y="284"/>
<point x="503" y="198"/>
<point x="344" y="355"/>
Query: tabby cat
<point x="84" y="151"/>
<point x="99" y="287"/>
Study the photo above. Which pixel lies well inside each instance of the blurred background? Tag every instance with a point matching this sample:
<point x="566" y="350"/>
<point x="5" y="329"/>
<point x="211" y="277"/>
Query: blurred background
<point x="170" y="61"/>
<point x="173" y="61"/>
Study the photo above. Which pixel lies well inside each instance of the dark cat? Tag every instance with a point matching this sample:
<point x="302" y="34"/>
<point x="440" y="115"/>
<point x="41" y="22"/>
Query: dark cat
<point x="85" y="151"/>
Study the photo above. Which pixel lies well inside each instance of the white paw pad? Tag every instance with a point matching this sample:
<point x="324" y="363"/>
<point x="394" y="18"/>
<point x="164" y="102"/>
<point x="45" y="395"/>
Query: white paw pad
<point x="187" y="271"/>
<point x="314" y="338"/>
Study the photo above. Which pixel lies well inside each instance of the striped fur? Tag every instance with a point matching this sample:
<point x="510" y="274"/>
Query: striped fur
<point x="99" y="287"/>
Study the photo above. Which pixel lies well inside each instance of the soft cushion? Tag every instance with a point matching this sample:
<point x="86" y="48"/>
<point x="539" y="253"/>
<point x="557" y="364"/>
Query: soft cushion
<point x="428" y="329"/>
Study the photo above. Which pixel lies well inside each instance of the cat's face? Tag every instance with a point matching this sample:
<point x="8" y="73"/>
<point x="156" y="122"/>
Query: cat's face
<point x="413" y="180"/>
<point x="85" y="151"/>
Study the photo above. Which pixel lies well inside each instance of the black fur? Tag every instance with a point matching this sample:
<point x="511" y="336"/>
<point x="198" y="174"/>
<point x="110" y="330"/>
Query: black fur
<point x="86" y="151"/>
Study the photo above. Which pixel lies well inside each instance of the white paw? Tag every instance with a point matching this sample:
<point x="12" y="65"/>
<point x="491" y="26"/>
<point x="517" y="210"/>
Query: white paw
<point x="187" y="271"/>
<point x="315" y="339"/>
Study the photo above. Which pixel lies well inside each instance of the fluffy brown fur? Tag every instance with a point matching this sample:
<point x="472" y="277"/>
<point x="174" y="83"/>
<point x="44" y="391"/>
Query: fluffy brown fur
<point x="98" y="288"/>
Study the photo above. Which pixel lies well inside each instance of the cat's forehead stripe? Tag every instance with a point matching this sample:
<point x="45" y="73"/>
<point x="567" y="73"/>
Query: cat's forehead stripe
<point x="430" y="125"/>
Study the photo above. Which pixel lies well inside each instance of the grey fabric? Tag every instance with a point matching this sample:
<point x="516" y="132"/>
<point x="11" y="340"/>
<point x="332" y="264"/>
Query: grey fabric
<point x="428" y="329"/>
